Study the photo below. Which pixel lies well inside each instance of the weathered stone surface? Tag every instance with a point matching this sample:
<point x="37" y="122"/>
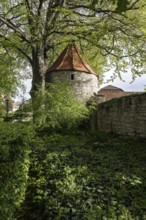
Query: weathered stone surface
<point x="84" y="85"/>
<point x="123" y="116"/>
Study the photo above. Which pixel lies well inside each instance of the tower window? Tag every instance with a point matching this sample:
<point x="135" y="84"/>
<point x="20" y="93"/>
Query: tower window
<point x="72" y="76"/>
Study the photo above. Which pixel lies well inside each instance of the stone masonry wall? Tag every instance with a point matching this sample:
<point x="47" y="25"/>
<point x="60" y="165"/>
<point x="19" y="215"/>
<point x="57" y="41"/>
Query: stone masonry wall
<point x="84" y="85"/>
<point x="124" y="116"/>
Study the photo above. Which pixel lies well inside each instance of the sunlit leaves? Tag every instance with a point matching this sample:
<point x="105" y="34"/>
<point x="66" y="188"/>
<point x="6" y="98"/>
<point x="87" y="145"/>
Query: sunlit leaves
<point x="110" y="29"/>
<point x="59" y="108"/>
<point x="11" y="74"/>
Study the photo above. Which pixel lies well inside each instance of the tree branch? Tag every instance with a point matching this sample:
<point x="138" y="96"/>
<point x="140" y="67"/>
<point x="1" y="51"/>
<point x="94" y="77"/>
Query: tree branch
<point x="10" y="25"/>
<point x="40" y="7"/>
<point x="18" y="48"/>
<point x="133" y="4"/>
<point x="28" y="5"/>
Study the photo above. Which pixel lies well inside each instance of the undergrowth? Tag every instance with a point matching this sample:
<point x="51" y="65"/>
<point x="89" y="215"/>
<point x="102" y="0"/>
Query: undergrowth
<point x="86" y="176"/>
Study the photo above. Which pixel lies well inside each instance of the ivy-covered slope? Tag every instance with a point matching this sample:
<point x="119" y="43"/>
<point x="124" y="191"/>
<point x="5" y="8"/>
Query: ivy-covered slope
<point x="84" y="177"/>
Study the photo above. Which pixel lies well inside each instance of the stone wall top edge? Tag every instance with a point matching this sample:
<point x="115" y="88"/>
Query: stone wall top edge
<point x="123" y="99"/>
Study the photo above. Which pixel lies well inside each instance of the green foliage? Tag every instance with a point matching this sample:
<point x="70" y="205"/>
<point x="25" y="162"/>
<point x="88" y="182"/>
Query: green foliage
<point x="24" y="113"/>
<point x="11" y="72"/>
<point x="121" y="5"/>
<point x="7" y="77"/>
<point x="14" y="165"/>
<point x="2" y="110"/>
<point x="79" y="177"/>
<point x="58" y="107"/>
<point x="110" y="28"/>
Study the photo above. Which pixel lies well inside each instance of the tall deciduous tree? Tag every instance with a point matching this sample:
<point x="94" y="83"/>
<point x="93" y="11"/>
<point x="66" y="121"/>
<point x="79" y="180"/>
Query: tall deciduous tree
<point x="35" y="28"/>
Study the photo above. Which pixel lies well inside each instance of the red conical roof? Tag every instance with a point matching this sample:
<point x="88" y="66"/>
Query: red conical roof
<point x="70" y="59"/>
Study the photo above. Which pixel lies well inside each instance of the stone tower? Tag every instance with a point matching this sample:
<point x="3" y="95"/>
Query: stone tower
<point x="71" y="68"/>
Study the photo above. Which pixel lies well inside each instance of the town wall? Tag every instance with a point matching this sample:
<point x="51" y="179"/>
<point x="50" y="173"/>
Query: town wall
<point x="124" y="116"/>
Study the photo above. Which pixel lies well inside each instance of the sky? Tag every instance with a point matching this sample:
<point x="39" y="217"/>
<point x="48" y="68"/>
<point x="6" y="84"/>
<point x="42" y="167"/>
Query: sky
<point x="139" y="83"/>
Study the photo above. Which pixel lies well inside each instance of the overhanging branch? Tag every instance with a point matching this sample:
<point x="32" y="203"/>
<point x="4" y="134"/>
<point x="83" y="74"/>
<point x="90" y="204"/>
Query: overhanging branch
<point x="18" y="49"/>
<point x="10" y="25"/>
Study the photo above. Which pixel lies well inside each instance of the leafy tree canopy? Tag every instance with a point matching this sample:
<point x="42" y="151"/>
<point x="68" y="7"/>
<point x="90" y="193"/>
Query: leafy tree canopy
<point x="121" y="6"/>
<point x="108" y="32"/>
<point x="11" y="74"/>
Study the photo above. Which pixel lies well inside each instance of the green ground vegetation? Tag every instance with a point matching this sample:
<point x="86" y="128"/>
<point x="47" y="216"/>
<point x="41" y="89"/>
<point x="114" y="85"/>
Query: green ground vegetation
<point x="71" y="175"/>
<point x="78" y="176"/>
<point x="58" y="169"/>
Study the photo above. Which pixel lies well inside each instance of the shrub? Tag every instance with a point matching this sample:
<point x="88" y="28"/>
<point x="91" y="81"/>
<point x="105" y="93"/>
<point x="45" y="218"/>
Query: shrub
<point x="2" y="110"/>
<point x="58" y="107"/>
<point x="14" y="165"/>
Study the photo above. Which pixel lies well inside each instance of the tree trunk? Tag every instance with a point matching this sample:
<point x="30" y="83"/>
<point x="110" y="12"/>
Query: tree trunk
<point x="39" y="69"/>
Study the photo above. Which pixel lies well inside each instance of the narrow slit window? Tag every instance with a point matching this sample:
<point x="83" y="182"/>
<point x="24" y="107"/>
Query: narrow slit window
<point x="72" y="76"/>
